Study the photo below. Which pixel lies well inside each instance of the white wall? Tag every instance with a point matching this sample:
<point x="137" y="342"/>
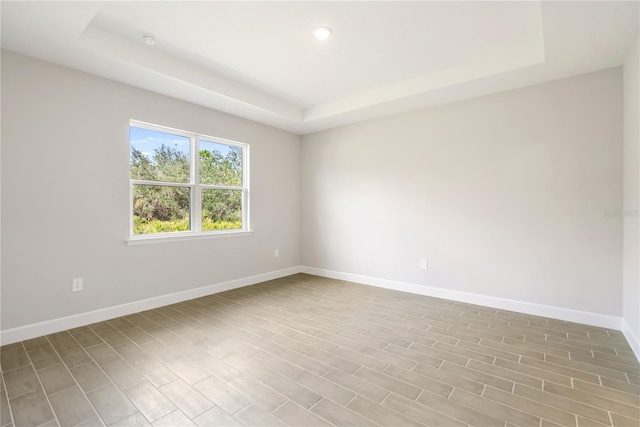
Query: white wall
<point x="65" y="196"/>
<point x="631" y="186"/>
<point x="506" y="195"/>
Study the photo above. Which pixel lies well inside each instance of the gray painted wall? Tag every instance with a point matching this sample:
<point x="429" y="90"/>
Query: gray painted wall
<point x="65" y="196"/>
<point x="505" y="195"/>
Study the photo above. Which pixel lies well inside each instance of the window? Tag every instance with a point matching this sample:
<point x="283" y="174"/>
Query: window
<point x="186" y="184"/>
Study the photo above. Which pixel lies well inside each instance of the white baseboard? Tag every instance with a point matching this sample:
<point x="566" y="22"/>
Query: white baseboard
<point x="633" y="340"/>
<point x="594" y="319"/>
<point x="62" y="324"/>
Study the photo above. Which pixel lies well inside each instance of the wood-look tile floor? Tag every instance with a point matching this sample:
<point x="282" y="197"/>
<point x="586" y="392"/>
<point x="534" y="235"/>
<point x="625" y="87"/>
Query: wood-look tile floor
<point x="310" y="351"/>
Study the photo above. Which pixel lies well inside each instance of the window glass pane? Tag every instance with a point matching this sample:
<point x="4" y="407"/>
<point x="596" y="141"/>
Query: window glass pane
<point x="220" y="164"/>
<point x="221" y="209"/>
<point x="158" y="156"/>
<point x="160" y="209"/>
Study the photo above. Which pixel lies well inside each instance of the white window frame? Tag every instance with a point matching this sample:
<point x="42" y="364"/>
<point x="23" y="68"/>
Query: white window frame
<point x="195" y="189"/>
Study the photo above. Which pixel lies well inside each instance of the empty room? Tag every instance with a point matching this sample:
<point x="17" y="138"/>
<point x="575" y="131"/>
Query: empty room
<point x="348" y="213"/>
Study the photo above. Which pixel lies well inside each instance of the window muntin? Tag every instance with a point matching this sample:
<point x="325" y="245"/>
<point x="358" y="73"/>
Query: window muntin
<point x="175" y="191"/>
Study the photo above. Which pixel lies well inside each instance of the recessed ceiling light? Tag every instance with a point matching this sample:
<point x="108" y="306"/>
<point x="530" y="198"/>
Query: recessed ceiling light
<point x="149" y="40"/>
<point x="322" y="33"/>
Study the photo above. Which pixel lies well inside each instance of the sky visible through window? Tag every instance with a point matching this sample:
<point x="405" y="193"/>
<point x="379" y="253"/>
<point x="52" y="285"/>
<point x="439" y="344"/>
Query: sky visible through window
<point x="147" y="141"/>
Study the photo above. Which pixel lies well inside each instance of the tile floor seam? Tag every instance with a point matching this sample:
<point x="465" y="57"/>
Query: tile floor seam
<point x="40" y="381"/>
<point x="453" y="389"/>
<point x="512" y="407"/>
<point x="238" y="411"/>
<point x="582" y="403"/>
<point x="111" y="381"/>
<point x="25" y="393"/>
<point x="534" y="368"/>
<point x="13" y="422"/>
<point x="589" y="405"/>
<point x="273" y="341"/>
<point x="530" y="413"/>
<point x="77" y="384"/>
<point x="482" y="345"/>
<point x="285" y="402"/>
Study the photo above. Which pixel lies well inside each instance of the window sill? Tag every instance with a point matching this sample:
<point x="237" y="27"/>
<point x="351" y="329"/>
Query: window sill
<point x="178" y="237"/>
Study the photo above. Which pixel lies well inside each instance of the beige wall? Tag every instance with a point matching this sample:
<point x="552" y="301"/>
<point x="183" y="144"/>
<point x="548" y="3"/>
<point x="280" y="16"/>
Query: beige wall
<point x="631" y="185"/>
<point x="65" y="196"/>
<point x="512" y="195"/>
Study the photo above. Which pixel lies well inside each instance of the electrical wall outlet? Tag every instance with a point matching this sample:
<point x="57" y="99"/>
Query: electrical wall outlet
<point x="76" y="286"/>
<point x="423" y="264"/>
<point x="276" y="253"/>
